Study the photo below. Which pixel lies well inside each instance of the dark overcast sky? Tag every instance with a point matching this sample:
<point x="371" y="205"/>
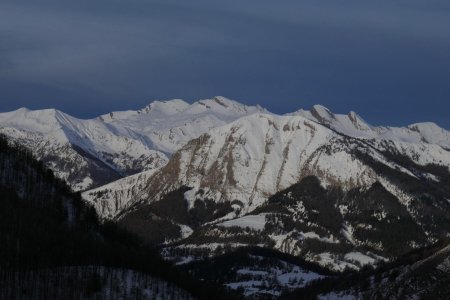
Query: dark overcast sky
<point x="387" y="60"/>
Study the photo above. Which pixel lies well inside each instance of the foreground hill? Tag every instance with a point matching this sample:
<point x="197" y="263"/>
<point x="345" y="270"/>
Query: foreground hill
<point x="52" y="244"/>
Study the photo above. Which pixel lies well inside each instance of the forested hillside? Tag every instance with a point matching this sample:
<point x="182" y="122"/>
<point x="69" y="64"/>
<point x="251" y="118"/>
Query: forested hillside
<point x="52" y="244"/>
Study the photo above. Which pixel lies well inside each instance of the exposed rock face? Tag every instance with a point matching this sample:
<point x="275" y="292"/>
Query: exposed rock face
<point x="254" y="157"/>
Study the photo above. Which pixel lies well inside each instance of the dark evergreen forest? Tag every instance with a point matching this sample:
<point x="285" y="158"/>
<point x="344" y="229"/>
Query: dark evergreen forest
<point x="45" y="228"/>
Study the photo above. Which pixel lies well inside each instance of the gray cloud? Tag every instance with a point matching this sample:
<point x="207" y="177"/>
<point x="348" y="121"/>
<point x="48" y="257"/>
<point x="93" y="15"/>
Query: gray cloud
<point x="117" y="54"/>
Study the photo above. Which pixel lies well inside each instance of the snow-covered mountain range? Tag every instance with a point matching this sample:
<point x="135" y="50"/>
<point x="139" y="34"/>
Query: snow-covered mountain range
<point x="254" y="174"/>
<point x="89" y="153"/>
<point x="217" y="173"/>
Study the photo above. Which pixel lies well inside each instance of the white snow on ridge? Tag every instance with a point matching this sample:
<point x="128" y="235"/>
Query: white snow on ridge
<point x="360" y="258"/>
<point x="347" y="232"/>
<point x="60" y="139"/>
<point x="126" y="142"/>
<point x="168" y="125"/>
<point x="331" y="261"/>
<point x="353" y="125"/>
<point x="109" y="200"/>
<point x="313" y="235"/>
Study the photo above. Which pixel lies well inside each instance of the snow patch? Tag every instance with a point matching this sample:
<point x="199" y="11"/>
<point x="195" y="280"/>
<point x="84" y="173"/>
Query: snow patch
<point x="359" y="258"/>
<point x="255" y="222"/>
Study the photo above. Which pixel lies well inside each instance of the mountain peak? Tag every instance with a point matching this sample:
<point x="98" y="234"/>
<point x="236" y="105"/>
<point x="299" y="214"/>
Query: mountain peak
<point x="168" y="107"/>
<point x="222" y="101"/>
<point x="425" y="126"/>
<point x="226" y="106"/>
<point x="22" y="110"/>
<point x="26" y="118"/>
<point x="322" y="114"/>
<point x="357" y="121"/>
<point x="431" y="133"/>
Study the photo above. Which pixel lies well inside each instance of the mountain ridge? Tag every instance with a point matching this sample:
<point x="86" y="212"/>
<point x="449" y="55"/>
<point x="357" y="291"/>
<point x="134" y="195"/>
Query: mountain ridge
<point x="109" y="148"/>
<point x="437" y="155"/>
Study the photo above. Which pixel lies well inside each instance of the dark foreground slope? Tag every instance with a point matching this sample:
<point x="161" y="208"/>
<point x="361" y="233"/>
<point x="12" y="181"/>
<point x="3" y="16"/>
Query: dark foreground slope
<point x="52" y="244"/>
